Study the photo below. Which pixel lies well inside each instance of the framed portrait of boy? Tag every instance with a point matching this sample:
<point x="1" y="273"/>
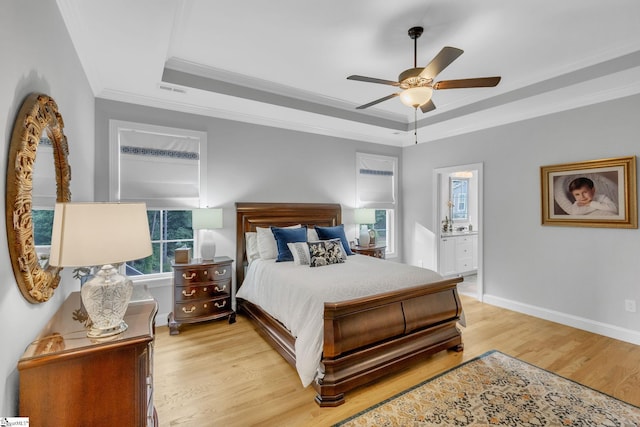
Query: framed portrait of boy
<point x="594" y="193"/>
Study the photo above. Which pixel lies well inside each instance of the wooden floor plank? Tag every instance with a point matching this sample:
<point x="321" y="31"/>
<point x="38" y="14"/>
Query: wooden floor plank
<point x="217" y="374"/>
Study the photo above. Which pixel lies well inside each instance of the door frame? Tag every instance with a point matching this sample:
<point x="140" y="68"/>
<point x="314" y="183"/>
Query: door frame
<point x="439" y="199"/>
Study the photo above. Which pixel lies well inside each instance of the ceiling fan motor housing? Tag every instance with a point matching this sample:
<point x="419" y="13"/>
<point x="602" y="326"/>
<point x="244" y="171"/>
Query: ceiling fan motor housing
<point x="411" y="78"/>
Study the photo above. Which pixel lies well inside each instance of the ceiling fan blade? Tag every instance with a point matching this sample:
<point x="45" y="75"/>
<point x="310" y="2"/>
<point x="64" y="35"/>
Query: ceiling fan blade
<point x="428" y="106"/>
<point x="463" y="83"/>
<point x="441" y="61"/>
<point x="373" y="80"/>
<point x="377" y="101"/>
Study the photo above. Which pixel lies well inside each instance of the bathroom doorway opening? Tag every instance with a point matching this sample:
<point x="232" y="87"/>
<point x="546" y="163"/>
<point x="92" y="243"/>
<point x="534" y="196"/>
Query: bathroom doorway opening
<point x="458" y="209"/>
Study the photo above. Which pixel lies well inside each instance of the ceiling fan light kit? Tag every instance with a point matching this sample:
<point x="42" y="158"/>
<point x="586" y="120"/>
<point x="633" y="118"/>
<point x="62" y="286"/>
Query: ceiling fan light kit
<point x="416" y="96"/>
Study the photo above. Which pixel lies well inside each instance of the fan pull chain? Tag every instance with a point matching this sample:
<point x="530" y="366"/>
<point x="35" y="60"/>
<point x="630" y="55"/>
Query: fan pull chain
<point x="415" y="123"/>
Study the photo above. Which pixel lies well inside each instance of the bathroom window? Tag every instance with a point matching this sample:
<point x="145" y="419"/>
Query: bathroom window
<point x="460" y="197"/>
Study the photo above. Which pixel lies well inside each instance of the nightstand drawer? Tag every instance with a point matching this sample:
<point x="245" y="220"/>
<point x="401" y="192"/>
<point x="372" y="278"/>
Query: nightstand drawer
<point x="188" y="276"/>
<point x="201" y="308"/>
<point x="218" y="272"/>
<point x="200" y="291"/>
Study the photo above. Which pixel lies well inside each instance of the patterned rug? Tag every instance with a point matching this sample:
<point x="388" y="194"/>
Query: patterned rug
<point x="497" y="390"/>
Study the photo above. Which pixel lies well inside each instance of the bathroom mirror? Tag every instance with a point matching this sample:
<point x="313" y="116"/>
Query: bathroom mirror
<point x="37" y="120"/>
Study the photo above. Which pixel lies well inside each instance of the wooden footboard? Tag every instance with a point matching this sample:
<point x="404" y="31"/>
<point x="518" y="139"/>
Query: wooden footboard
<point x="367" y="338"/>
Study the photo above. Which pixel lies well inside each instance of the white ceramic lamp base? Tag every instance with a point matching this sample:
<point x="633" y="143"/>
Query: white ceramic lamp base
<point x="364" y="236"/>
<point x="207" y="246"/>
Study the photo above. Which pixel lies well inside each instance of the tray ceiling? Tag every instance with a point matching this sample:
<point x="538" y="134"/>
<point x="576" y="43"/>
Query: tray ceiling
<point x="284" y="63"/>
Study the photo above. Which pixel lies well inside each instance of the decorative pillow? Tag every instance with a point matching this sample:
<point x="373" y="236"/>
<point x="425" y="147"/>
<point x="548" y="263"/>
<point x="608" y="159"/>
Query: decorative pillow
<point x="300" y="252"/>
<point x="312" y="235"/>
<point x="284" y="236"/>
<point x="252" y="246"/>
<point x="326" y="252"/>
<point x="337" y="232"/>
<point x="267" y="246"/>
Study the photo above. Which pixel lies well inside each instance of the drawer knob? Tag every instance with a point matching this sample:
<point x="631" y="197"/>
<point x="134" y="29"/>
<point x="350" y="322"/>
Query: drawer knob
<point x="220" y="290"/>
<point x="190" y="294"/>
<point x="220" y="305"/>
<point x="190" y="277"/>
<point x="220" y="273"/>
<point x="190" y="310"/>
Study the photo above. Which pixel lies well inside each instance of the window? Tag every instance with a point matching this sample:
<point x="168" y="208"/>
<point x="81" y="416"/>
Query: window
<point x="165" y="168"/>
<point x="170" y="229"/>
<point x="377" y="188"/>
<point x="42" y="226"/>
<point x="460" y="199"/>
<point x="383" y="227"/>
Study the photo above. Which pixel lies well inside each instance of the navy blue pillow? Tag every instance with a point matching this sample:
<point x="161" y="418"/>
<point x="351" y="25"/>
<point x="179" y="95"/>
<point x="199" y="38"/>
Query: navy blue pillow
<point x="337" y="232"/>
<point x="287" y="235"/>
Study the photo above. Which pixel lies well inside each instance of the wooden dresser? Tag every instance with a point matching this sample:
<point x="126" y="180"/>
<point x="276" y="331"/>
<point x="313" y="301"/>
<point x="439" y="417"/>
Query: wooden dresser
<point x="67" y="379"/>
<point x="201" y="291"/>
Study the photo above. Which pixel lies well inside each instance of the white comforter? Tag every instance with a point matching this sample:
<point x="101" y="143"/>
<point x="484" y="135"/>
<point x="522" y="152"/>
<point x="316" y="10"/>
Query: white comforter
<point x="295" y="295"/>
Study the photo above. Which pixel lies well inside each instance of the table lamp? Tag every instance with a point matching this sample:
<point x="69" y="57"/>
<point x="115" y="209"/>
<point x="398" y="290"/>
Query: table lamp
<point x="206" y="219"/>
<point x="364" y="217"/>
<point x="101" y="235"/>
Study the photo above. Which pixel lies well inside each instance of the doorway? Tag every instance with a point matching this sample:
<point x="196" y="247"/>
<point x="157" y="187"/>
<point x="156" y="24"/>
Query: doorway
<point x="459" y="225"/>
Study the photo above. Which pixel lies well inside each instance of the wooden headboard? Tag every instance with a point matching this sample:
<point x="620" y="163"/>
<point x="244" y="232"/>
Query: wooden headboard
<point x="252" y="215"/>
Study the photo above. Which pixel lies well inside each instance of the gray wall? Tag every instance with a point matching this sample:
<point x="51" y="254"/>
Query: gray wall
<point x="38" y="56"/>
<point x="575" y="275"/>
<point x="248" y="163"/>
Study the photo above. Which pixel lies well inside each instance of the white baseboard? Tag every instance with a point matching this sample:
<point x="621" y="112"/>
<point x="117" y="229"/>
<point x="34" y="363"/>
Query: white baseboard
<point x="162" y="319"/>
<point x="605" y="329"/>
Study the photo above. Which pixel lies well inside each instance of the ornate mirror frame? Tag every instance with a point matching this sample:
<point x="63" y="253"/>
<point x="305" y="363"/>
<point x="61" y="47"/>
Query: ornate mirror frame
<point x="38" y="114"/>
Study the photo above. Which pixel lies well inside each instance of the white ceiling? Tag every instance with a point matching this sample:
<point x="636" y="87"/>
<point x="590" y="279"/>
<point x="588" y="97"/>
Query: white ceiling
<point x="284" y="62"/>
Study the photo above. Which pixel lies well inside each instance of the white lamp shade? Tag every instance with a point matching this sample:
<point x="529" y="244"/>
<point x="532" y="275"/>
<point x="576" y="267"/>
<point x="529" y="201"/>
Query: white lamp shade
<point x="206" y="218"/>
<point x="365" y="216"/>
<point x="416" y="96"/>
<point x="88" y="234"/>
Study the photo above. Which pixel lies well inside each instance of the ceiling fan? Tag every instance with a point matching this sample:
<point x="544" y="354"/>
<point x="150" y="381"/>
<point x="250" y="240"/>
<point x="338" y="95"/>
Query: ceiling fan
<point x="417" y="83"/>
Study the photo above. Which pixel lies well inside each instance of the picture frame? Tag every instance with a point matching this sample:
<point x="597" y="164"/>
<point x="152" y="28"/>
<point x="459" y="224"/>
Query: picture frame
<point x="594" y="193"/>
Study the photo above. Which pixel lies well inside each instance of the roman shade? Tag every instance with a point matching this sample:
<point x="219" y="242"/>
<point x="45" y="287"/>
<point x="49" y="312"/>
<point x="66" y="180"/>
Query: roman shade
<point x="162" y="167"/>
<point x="376" y="181"/>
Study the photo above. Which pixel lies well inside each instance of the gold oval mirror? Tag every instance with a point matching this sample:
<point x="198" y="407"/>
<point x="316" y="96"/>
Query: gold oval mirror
<point x="38" y="116"/>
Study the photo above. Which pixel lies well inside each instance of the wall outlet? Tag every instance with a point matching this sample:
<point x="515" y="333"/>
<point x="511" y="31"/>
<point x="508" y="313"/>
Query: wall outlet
<point x="630" y="305"/>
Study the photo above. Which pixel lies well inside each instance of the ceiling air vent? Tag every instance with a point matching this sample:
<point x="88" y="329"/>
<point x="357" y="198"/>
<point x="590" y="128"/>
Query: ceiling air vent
<point x="171" y="88"/>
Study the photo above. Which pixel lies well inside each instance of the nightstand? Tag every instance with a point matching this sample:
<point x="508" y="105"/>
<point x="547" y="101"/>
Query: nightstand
<point x="201" y="292"/>
<point x="377" y="251"/>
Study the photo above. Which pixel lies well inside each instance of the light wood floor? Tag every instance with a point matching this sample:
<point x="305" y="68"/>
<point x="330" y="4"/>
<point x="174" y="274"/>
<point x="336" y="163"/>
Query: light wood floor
<point x="216" y="374"/>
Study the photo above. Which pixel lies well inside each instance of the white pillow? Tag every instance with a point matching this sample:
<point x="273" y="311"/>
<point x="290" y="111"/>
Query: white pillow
<point x="312" y="235"/>
<point x="267" y="246"/>
<point x="300" y="252"/>
<point x="252" y="246"/>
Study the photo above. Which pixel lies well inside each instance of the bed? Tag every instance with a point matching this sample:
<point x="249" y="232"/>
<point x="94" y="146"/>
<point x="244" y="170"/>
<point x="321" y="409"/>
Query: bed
<point x="364" y="338"/>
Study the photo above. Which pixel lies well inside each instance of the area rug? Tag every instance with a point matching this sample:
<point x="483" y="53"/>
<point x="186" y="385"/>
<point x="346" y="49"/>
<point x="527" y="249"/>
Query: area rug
<point x="498" y="390"/>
